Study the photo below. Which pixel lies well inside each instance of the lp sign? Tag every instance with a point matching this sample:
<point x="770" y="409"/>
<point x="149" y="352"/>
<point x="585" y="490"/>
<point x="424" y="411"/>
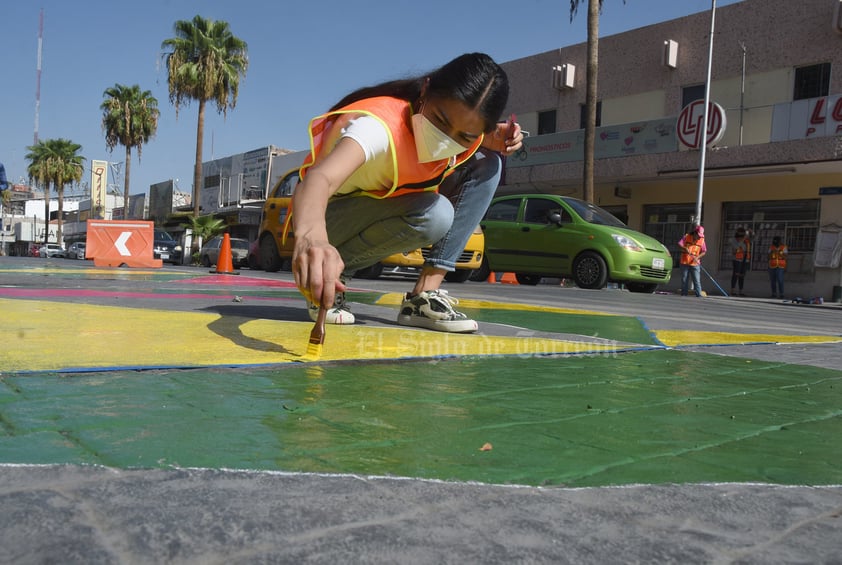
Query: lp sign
<point x="689" y="126"/>
<point x="121" y="243"/>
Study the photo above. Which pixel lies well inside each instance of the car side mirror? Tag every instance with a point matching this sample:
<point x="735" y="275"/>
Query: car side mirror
<point x="555" y="218"/>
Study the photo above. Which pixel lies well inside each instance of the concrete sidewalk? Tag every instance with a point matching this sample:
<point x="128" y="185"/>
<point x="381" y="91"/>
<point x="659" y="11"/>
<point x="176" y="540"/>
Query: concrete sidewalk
<point x="71" y="514"/>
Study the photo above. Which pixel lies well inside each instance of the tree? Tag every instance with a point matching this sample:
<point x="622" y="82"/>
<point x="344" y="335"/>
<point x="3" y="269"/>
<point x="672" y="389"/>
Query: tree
<point x="594" y="9"/>
<point x="204" y="63"/>
<point x="130" y="119"/>
<point x="203" y="228"/>
<point x="54" y="162"/>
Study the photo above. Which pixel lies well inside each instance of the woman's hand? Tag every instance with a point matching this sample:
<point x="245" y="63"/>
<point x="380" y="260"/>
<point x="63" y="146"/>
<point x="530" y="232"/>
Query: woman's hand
<point x="316" y="266"/>
<point x="504" y="141"/>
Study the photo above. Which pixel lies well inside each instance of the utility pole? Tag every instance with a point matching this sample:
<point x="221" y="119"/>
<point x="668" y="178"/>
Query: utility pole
<point x="704" y="131"/>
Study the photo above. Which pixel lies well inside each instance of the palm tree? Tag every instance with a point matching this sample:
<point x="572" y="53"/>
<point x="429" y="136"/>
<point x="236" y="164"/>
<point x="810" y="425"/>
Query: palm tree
<point x="594" y="9"/>
<point x="54" y="162"/>
<point x="204" y="62"/>
<point x="130" y="119"/>
<point x="203" y="228"/>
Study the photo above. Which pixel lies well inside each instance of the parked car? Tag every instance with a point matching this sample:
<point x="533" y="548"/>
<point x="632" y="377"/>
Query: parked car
<point x="543" y="235"/>
<point x="167" y="248"/>
<point x="51" y="250"/>
<point x="273" y="253"/>
<point x="76" y="250"/>
<point x="239" y="251"/>
<point x="410" y="262"/>
<point x="254" y="255"/>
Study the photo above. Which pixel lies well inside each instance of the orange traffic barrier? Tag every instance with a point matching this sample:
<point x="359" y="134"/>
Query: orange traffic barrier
<point x="225" y="261"/>
<point x="121" y="243"/>
<point x="492" y="277"/>
<point x="509" y="278"/>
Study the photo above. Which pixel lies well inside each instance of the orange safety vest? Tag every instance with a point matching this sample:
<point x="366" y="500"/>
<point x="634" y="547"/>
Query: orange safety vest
<point x="395" y="114"/>
<point x="777" y="257"/>
<point x="742" y="251"/>
<point x="691" y="251"/>
<point x="408" y="174"/>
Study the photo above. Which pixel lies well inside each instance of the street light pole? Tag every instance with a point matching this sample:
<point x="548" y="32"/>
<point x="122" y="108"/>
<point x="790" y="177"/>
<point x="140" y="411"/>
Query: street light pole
<point x="704" y="131"/>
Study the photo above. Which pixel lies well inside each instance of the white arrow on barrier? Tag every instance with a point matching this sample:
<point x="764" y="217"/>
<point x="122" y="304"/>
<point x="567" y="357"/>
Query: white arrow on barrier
<point x="120" y="244"/>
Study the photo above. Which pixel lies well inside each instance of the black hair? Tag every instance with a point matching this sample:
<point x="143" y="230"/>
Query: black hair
<point x="473" y="78"/>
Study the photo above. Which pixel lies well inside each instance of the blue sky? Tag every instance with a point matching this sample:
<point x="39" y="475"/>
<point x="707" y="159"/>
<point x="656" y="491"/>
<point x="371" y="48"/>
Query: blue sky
<point x="303" y="57"/>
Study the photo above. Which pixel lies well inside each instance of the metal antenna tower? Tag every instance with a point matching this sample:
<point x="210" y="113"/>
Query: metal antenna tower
<point x="38" y="74"/>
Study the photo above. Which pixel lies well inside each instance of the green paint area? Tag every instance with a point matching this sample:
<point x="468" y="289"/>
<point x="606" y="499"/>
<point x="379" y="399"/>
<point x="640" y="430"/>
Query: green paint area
<point x="626" y="329"/>
<point x="620" y="328"/>
<point x="647" y="417"/>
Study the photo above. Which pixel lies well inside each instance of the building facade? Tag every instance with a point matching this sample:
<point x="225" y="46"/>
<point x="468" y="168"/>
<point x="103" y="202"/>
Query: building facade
<point x="775" y="124"/>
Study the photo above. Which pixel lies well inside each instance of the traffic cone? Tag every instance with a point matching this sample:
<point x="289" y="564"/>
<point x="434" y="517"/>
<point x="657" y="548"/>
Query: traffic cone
<point x="509" y="278"/>
<point x="492" y="277"/>
<point x="225" y="261"/>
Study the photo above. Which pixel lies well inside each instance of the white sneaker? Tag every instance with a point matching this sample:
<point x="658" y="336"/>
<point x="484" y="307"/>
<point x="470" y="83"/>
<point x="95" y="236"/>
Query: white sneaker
<point x="433" y="310"/>
<point x="339" y="314"/>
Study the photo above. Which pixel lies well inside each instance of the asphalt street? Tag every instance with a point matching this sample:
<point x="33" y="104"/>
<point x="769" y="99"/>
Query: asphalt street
<point x="577" y="427"/>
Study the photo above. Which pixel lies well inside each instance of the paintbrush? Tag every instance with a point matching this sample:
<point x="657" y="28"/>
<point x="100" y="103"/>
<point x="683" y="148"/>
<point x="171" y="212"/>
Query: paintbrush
<point x="317" y="335"/>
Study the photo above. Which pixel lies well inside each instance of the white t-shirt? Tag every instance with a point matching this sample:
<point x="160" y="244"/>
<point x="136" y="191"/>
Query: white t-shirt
<point x="377" y="172"/>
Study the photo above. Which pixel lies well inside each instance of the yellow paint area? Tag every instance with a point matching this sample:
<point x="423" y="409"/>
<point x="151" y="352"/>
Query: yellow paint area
<point x="45" y="336"/>
<point x="395" y="299"/>
<point x="677" y="338"/>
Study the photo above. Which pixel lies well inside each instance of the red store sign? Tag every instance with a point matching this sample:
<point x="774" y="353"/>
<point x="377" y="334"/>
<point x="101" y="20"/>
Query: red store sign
<point x="690" y="129"/>
<point x="803" y="119"/>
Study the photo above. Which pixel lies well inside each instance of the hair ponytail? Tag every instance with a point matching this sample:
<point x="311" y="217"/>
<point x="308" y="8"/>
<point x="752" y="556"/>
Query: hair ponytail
<point x="473" y="78"/>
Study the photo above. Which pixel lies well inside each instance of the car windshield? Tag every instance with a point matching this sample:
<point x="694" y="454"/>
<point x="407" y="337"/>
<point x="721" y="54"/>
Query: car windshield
<point x="593" y="214"/>
<point x="240" y="244"/>
<point x="162" y="235"/>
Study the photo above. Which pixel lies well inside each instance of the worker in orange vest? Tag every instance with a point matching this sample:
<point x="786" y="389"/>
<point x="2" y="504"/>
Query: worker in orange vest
<point x="777" y="266"/>
<point x="693" y="248"/>
<point x="742" y="254"/>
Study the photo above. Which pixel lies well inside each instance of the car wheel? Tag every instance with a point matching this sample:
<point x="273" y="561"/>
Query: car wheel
<point x="206" y="261"/>
<point x="590" y="270"/>
<point x="458" y="276"/>
<point x="372" y="272"/>
<point x="269" y="258"/>
<point x="481" y="274"/>
<point x="645" y="288"/>
<point x="530" y="280"/>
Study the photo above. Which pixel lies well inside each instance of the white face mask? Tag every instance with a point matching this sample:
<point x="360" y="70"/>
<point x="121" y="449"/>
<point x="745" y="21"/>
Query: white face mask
<point x="431" y="143"/>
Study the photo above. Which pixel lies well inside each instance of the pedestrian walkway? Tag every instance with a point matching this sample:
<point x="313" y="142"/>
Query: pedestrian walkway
<point x="167" y="416"/>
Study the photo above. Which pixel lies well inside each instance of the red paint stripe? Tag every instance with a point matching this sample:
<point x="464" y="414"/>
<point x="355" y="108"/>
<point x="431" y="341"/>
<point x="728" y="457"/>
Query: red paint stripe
<point x="83" y="293"/>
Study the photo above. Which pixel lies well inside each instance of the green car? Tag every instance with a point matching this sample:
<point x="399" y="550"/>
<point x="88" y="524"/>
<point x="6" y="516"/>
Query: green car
<point x="545" y="235"/>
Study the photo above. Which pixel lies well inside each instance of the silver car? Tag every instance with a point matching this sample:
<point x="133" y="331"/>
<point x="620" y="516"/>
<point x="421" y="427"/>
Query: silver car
<point x="51" y="250"/>
<point x="239" y="251"/>
<point x="76" y="250"/>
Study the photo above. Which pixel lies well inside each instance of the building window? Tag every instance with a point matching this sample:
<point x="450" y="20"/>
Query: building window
<point x="583" y="114"/>
<point x="812" y="81"/>
<point x="692" y="93"/>
<point x="546" y="122"/>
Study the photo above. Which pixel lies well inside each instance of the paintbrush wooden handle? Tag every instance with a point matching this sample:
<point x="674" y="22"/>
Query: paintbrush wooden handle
<point x="317" y="334"/>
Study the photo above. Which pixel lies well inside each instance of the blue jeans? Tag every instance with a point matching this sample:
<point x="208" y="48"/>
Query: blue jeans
<point x="776" y="278"/>
<point x="688" y="271"/>
<point x="365" y="230"/>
